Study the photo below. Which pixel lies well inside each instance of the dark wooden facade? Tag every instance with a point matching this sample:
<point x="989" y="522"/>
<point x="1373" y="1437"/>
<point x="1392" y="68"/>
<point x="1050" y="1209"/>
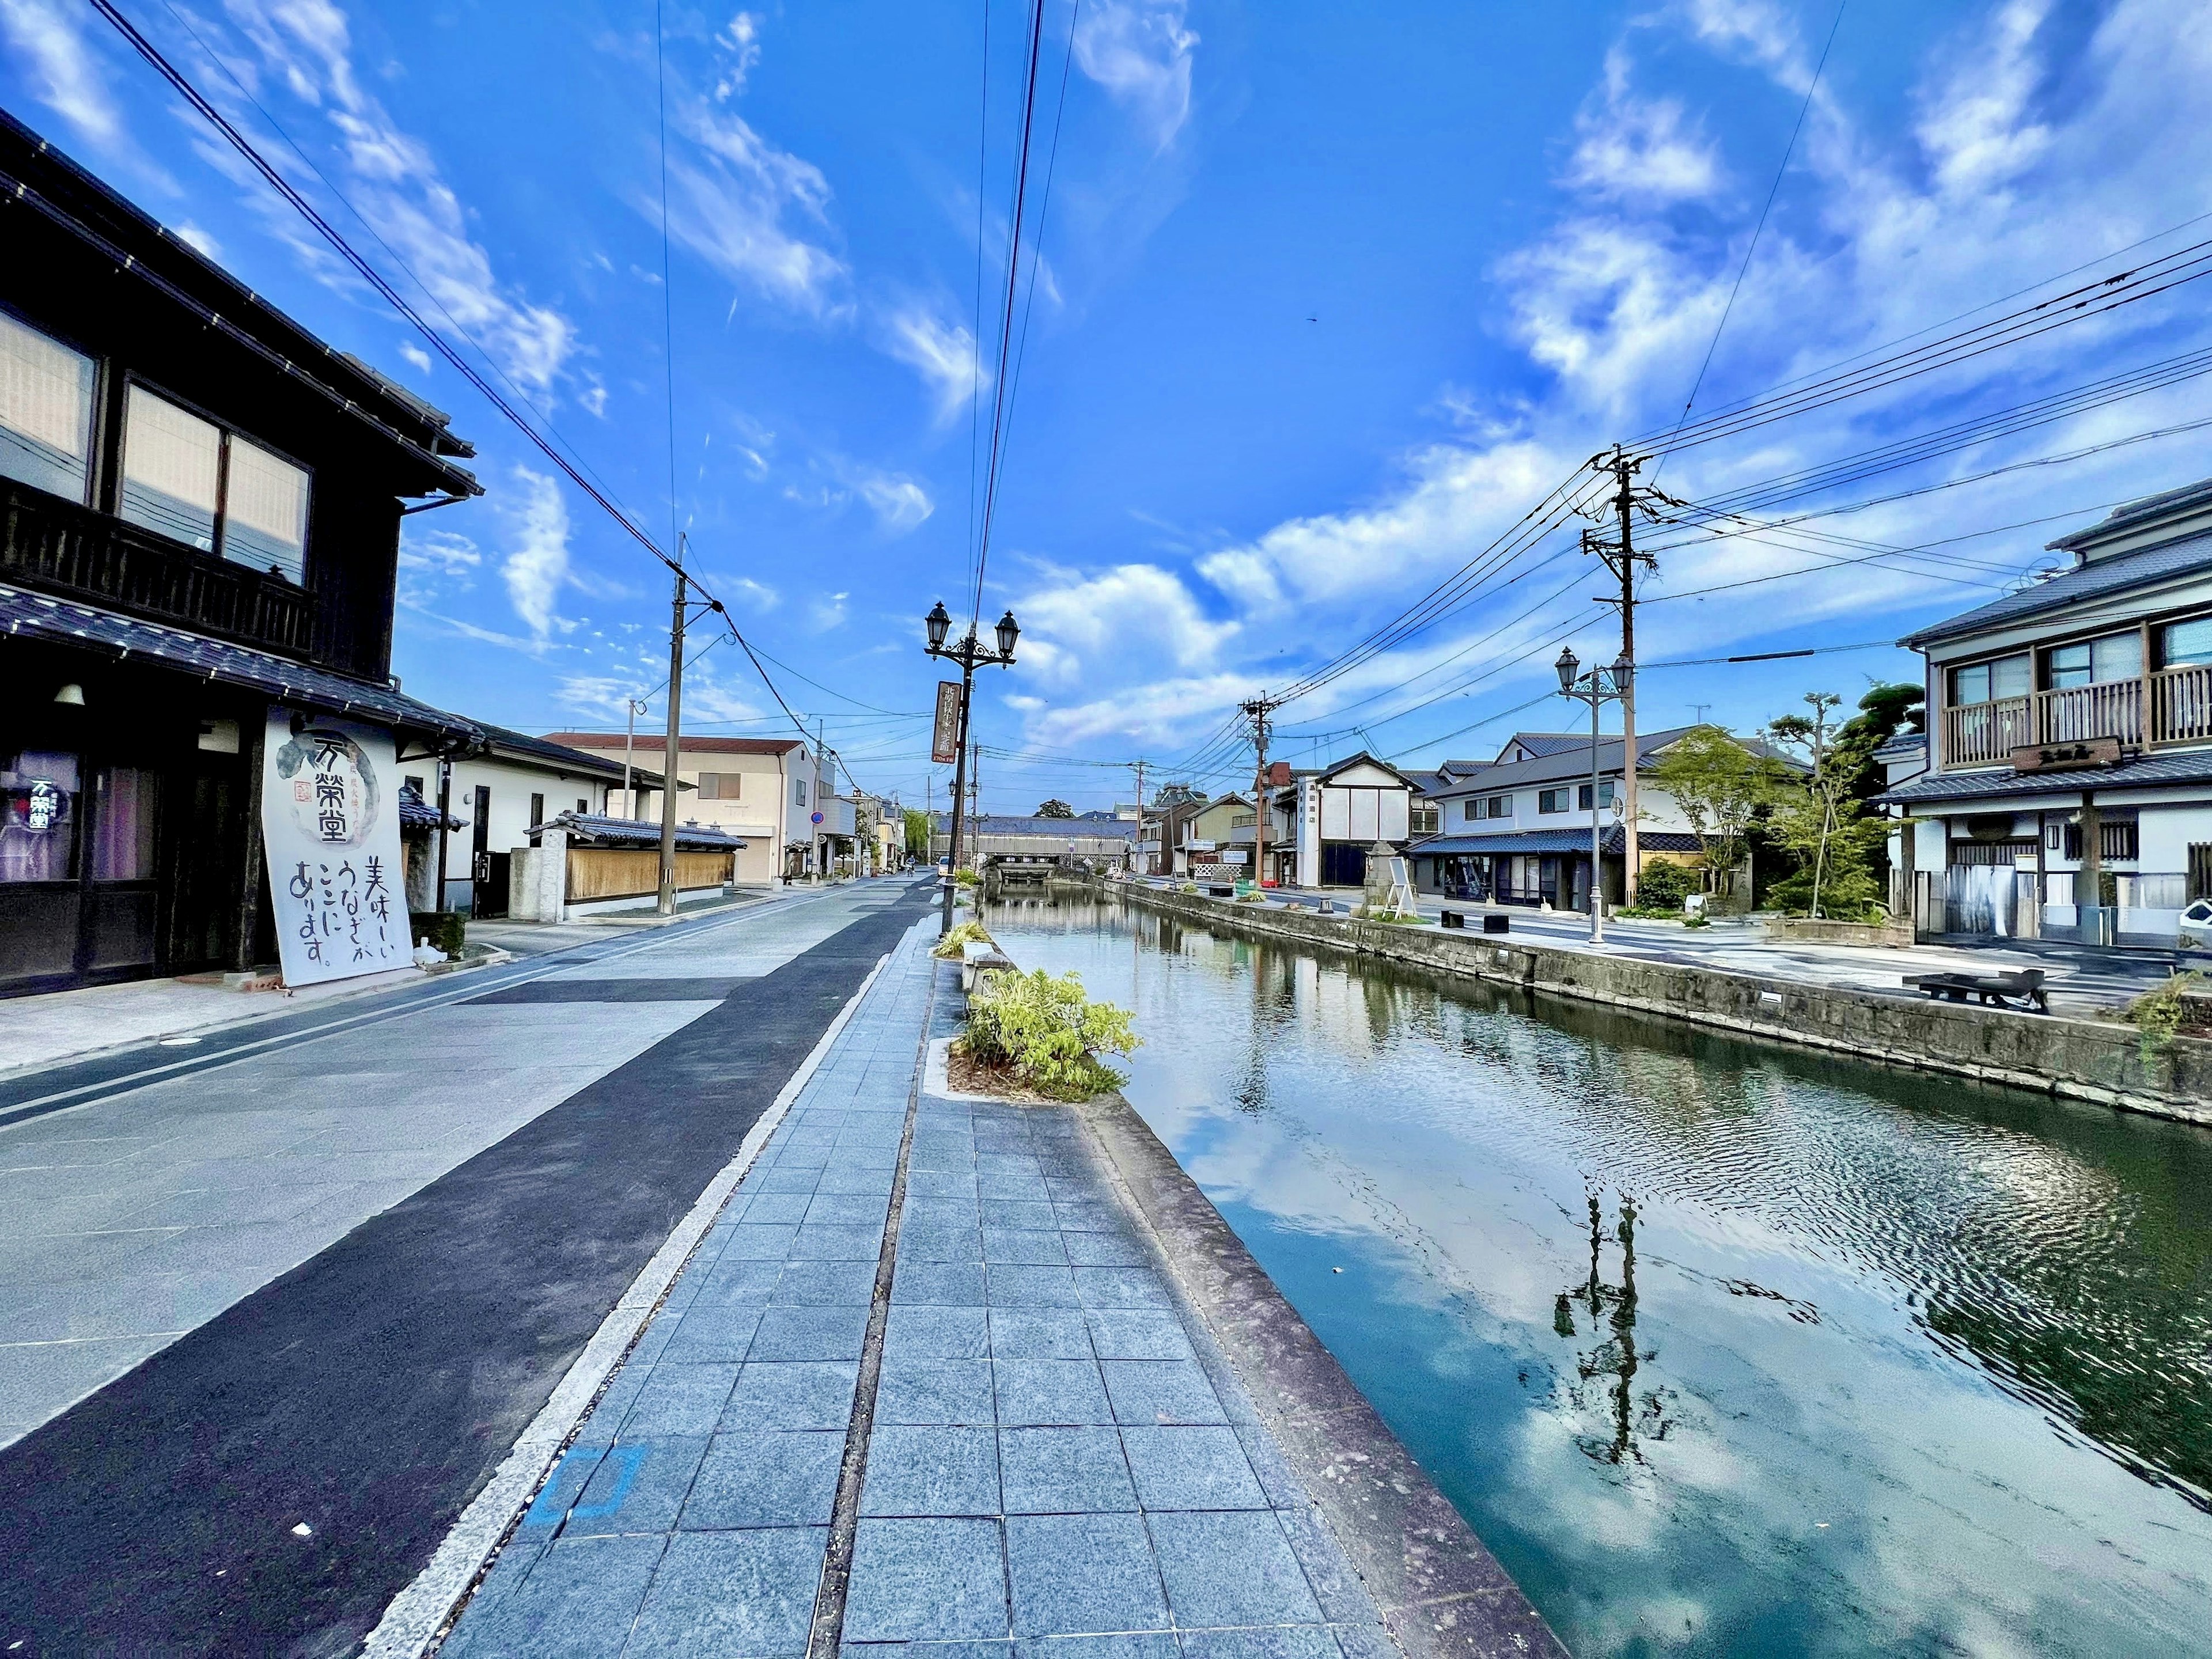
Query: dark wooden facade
<point x="157" y="752"/>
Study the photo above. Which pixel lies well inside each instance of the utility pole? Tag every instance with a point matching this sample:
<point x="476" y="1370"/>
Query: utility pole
<point x="667" y="906"/>
<point x="974" y="805"/>
<point x="1621" y="558"/>
<point x="1140" y="821"/>
<point x="1257" y="711"/>
<point x="629" y="746"/>
<point x="816" y="810"/>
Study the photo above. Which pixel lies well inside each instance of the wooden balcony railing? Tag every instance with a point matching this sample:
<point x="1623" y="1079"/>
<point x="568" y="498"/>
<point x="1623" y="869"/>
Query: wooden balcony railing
<point x="69" y="550"/>
<point x="2172" y="707"/>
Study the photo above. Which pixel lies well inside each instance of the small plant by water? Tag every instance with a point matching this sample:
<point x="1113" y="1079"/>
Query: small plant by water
<point x="2159" y="1015"/>
<point x="1047" y="1034"/>
<point x="967" y="933"/>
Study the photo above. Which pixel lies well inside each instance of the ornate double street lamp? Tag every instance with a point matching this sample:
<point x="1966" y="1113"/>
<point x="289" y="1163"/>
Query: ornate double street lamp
<point x="970" y="653"/>
<point x="1602" y="685"/>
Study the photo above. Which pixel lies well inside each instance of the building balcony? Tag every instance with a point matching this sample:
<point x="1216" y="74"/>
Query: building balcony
<point x="2169" y="708"/>
<point x="55" y="545"/>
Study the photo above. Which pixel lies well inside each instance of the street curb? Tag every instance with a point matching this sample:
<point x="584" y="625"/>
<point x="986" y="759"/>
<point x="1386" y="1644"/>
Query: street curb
<point x="420" y="1616"/>
<point x="1441" y="1592"/>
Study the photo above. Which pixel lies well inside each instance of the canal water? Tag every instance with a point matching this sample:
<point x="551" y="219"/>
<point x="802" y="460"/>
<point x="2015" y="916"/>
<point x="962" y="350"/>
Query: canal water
<point x="1721" y="1348"/>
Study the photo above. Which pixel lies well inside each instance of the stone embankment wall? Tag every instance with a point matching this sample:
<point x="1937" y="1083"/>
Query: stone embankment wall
<point x="2084" y="1059"/>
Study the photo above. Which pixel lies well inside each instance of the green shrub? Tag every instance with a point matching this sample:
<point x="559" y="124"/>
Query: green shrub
<point x="1664" y="886"/>
<point x="445" y="929"/>
<point x="968" y="932"/>
<point x="2158" y="1014"/>
<point x="1047" y="1033"/>
<point x="965" y="878"/>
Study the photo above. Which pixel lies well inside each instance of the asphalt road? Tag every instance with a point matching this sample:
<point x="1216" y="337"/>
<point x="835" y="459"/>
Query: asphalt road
<point x="366" y="1394"/>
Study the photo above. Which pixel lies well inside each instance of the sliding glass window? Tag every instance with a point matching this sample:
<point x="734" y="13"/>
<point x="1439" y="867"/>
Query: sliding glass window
<point x="46" y="411"/>
<point x="189" y="479"/>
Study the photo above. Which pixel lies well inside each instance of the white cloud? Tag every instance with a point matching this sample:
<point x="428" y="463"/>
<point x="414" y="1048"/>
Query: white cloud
<point x="537" y="567"/>
<point x="199" y="242"/>
<point x="740" y="38"/>
<point x="763" y="597"/>
<point x="944" y="355"/>
<point x="446" y="551"/>
<point x="1131" y="613"/>
<point x="414" y="355"/>
<point x="53" y="57"/>
<point x="731" y="203"/>
<point x="1640" y="150"/>
<point x="393" y="181"/>
<point x="1140" y="53"/>
<point x="898" y="502"/>
<point x="827" y="611"/>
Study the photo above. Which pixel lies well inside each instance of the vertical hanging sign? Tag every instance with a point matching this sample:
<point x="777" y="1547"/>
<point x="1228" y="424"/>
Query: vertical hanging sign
<point x="944" y="739"/>
<point x="330" y="824"/>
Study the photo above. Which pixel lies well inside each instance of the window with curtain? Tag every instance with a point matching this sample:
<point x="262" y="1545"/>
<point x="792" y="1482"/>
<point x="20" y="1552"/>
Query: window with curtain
<point x="265" y="511"/>
<point x="1987" y="682"/>
<point x="2097" y="662"/>
<point x="1604" y="795"/>
<point x="2184" y="644"/>
<point x="123" y="823"/>
<point x="46" y="411"/>
<point x="172" y="469"/>
<point x="38" y="817"/>
<point x="189" y="479"/>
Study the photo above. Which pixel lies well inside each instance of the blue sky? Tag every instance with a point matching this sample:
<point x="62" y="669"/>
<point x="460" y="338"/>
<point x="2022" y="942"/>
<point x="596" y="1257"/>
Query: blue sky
<point x="1329" y="297"/>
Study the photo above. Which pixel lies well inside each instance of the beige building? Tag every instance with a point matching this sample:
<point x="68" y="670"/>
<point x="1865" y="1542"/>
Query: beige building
<point x="764" y="790"/>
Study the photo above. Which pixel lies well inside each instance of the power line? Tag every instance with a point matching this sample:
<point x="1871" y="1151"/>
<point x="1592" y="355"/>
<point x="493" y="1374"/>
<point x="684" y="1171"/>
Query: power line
<point x="238" y="141"/>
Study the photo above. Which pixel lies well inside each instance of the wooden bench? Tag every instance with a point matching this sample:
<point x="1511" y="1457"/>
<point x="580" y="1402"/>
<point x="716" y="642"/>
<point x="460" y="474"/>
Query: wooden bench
<point x="2023" y="988"/>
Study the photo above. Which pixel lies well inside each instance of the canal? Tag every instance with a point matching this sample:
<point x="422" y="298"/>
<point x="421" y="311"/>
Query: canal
<point x="1721" y="1348"/>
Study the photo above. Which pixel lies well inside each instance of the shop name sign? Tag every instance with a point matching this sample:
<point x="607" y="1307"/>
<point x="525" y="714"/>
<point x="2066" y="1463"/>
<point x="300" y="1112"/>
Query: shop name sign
<point x="330" y="824"/>
<point x="2066" y="756"/>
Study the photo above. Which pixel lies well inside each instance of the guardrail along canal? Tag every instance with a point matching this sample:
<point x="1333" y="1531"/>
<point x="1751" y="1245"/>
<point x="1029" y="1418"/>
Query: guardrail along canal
<point x="1721" y="1348"/>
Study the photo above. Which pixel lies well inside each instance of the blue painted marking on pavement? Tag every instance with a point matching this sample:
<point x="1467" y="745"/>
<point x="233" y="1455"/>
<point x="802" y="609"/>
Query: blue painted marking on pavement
<point x="628" y="1458"/>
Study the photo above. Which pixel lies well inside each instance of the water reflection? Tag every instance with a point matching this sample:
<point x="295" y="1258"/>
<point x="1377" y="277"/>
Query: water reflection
<point x="1721" y="1347"/>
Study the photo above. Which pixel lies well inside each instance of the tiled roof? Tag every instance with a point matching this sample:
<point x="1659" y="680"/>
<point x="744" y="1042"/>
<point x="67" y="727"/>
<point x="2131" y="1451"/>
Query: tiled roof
<point x="2087" y="582"/>
<point x="685" y="744"/>
<point x="34" y="616"/>
<point x="2141" y="512"/>
<point x="1567" y="763"/>
<point x="572" y="760"/>
<point x="2191" y="766"/>
<point x="1555" y="840"/>
<point x="596" y="830"/>
<point x="415" y="813"/>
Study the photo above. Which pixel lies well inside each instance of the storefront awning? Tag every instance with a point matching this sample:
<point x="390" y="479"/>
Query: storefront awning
<point x="36" y="617"/>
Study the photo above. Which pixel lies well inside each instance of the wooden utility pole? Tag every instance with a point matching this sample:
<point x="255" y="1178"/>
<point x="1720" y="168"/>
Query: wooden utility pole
<point x="668" y="786"/>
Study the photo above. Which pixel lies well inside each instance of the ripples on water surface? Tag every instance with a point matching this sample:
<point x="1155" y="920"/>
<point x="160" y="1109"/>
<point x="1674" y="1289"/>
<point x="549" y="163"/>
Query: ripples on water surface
<point x="1721" y="1348"/>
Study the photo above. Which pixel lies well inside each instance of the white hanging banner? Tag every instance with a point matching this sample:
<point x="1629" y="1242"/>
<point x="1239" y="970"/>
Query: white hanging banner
<point x="330" y="826"/>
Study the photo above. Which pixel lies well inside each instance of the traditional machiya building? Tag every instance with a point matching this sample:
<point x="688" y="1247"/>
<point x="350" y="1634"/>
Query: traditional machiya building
<point x="2065" y="788"/>
<point x="201" y="742"/>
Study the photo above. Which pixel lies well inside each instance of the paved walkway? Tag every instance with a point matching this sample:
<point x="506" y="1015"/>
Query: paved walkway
<point x="1038" y="1441"/>
<point x="2082" y="981"/>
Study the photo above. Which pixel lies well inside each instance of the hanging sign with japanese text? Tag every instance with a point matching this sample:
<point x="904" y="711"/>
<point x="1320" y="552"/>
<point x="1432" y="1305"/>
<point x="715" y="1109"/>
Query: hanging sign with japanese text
<point x="329" y="824"/>
<point x="945" y="735"/>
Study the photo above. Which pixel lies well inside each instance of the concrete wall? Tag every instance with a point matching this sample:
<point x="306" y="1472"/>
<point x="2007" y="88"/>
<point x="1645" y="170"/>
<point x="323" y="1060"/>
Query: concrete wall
<point x="2084" y="1059"/>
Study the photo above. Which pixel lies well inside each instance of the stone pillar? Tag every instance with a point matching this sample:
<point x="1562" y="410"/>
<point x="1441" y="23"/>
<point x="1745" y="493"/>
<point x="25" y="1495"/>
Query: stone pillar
<point x="553" y="876"/>
<point x="522" y="882"/>
<point x="2089" y="873"/>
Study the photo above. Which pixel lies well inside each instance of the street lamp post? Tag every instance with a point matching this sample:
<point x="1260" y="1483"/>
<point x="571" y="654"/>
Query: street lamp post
<point x="1599" y="686"/>
<point x="970" y="653"/>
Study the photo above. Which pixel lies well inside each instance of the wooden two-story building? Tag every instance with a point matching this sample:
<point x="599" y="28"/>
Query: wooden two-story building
<point x="200" y="505"/>
<point x="2067" y="788"/>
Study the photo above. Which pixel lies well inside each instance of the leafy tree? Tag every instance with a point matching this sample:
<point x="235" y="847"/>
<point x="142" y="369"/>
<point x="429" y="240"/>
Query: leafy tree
<point x="917" y="833"/>
<point x="1884" y="712"/>
<point x="1055" y="809"/>
<point x="1720" y="786"/>
<point x="1821" y="816"/>
<point x="1664" y="885"/>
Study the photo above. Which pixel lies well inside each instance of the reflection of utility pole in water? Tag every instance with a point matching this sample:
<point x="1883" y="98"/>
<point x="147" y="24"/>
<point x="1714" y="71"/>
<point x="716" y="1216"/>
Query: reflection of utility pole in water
<point x="1611" y="1364"/>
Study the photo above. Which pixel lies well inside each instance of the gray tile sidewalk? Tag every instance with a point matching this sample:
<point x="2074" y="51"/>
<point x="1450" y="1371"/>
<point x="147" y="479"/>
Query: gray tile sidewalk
<point x="1060" y="1459"/>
